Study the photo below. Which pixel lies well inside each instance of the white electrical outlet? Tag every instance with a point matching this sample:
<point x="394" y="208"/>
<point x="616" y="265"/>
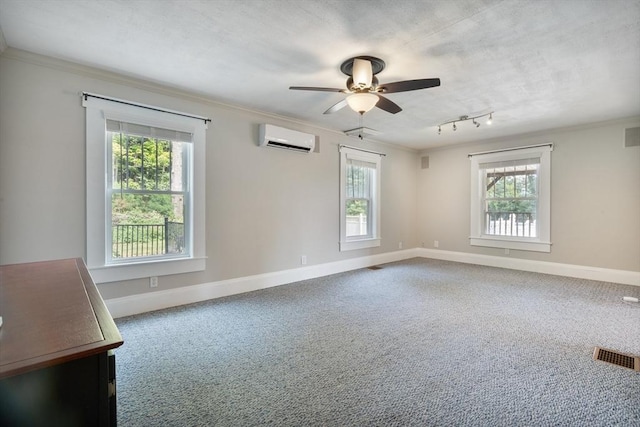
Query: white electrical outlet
<point x="436" y="243"/>
<point x="303" y="260"/>
<point x="153" y="282"/>
<point x="400" y="245"/>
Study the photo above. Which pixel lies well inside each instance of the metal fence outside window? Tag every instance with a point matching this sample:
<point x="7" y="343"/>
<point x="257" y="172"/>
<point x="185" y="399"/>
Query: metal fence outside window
<point x="140" y="240"/>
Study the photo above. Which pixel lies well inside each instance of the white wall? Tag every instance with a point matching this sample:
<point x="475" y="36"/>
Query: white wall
<point x="265" y="207"/>
<point x="595" y="197"/>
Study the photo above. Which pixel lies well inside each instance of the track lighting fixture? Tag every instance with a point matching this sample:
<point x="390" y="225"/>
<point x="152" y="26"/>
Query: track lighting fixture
<point x="465" y="118"/>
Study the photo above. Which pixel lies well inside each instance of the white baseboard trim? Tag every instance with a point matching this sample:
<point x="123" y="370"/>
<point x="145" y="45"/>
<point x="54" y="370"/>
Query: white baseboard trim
<point x="569" y="270"/>
<point x="142" y="303"/>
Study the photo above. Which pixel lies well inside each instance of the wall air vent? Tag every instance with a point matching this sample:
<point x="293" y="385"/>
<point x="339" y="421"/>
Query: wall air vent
<point x="632" y="137"/>
<point x="277" y="137"/>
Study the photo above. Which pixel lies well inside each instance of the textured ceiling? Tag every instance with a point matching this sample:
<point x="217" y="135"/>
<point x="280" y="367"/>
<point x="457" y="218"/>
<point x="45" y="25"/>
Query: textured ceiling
<point x="538" y="64"/>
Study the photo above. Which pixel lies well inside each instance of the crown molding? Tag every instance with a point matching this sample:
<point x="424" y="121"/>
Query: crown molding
<point x="159" y="88"/>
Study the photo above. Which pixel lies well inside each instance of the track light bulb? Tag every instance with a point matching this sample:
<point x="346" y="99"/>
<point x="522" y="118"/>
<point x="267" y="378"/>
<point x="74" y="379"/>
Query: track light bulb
<point x="476" y="123"/>
<point x="439" y="130"/>
<point x="455" y="128"/>
<point x="490" y="119"/>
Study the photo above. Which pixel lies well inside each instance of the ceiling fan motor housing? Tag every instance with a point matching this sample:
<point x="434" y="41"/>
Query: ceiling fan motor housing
<point x="352" y="87"/>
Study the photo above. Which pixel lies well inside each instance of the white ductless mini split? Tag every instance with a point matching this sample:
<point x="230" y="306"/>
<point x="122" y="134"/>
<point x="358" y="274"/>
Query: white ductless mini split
<point x="277" y="137"/>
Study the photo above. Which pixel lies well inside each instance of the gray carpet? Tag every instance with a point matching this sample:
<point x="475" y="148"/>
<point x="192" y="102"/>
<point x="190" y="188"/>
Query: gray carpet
<point x="416" y="343"/>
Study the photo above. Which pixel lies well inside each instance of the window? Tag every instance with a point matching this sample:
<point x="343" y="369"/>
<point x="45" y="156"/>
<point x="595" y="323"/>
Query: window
<point x="147" y="187"/>
<point x="359" y="199"/>
<point x="510" y="198"/>
<point x="145" y="190"/>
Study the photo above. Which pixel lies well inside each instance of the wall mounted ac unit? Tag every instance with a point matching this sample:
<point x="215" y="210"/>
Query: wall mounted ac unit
<point x="277" y="137"/>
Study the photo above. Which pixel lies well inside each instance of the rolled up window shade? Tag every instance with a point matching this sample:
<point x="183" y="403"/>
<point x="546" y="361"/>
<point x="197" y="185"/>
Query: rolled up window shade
<point x="148" y="131"/>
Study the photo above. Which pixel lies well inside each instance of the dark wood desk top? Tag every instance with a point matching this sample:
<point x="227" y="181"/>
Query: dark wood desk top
<point x="52" y="313"/>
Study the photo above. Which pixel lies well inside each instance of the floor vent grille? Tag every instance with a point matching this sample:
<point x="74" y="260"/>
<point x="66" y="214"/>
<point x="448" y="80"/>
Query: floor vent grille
<point x="375" y="267"/>
<point x="615" y="358"/>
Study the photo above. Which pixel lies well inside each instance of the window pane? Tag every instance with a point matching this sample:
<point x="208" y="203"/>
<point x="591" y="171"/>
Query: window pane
<point x="498" y="176"/>
<point x="509" y="184"/>
<point x="146" y="164"/>
<point x="147" y="225"/>
<point x="178" y="166"/>
<point x="532" y="182"/>
<point x="359" y="179"/>
<point x="357" y="217"/>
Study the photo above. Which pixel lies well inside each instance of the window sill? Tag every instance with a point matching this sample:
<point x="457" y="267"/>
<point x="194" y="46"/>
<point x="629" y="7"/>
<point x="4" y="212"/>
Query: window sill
<point x="139" y="270"/>
<point x="359" y="244"/>
<point x="511" y="243"/>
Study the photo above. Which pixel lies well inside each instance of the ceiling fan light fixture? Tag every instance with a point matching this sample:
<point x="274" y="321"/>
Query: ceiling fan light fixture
<point x="362" y="73"/>
<point x="362" y="102"/>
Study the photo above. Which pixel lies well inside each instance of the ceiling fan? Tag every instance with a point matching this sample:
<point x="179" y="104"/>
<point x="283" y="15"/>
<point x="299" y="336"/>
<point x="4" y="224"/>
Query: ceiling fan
<point x="364" y="89"/>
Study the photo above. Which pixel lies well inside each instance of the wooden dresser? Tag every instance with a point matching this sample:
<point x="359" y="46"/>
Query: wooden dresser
<point x="57" y="366"/>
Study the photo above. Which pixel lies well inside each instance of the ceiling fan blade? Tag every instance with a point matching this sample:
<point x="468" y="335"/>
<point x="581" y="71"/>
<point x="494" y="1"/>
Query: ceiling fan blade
<point x="407" y="85"/>
<point x="317" y="89"/>
<point x="337" y="106"/>
<point x="387" y="105"/>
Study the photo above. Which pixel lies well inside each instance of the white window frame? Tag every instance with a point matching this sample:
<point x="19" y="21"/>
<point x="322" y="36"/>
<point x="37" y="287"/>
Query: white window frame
<point x="374" y="239"/>
<point x="541" y="243"/>
<point x="98" y="110"/>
